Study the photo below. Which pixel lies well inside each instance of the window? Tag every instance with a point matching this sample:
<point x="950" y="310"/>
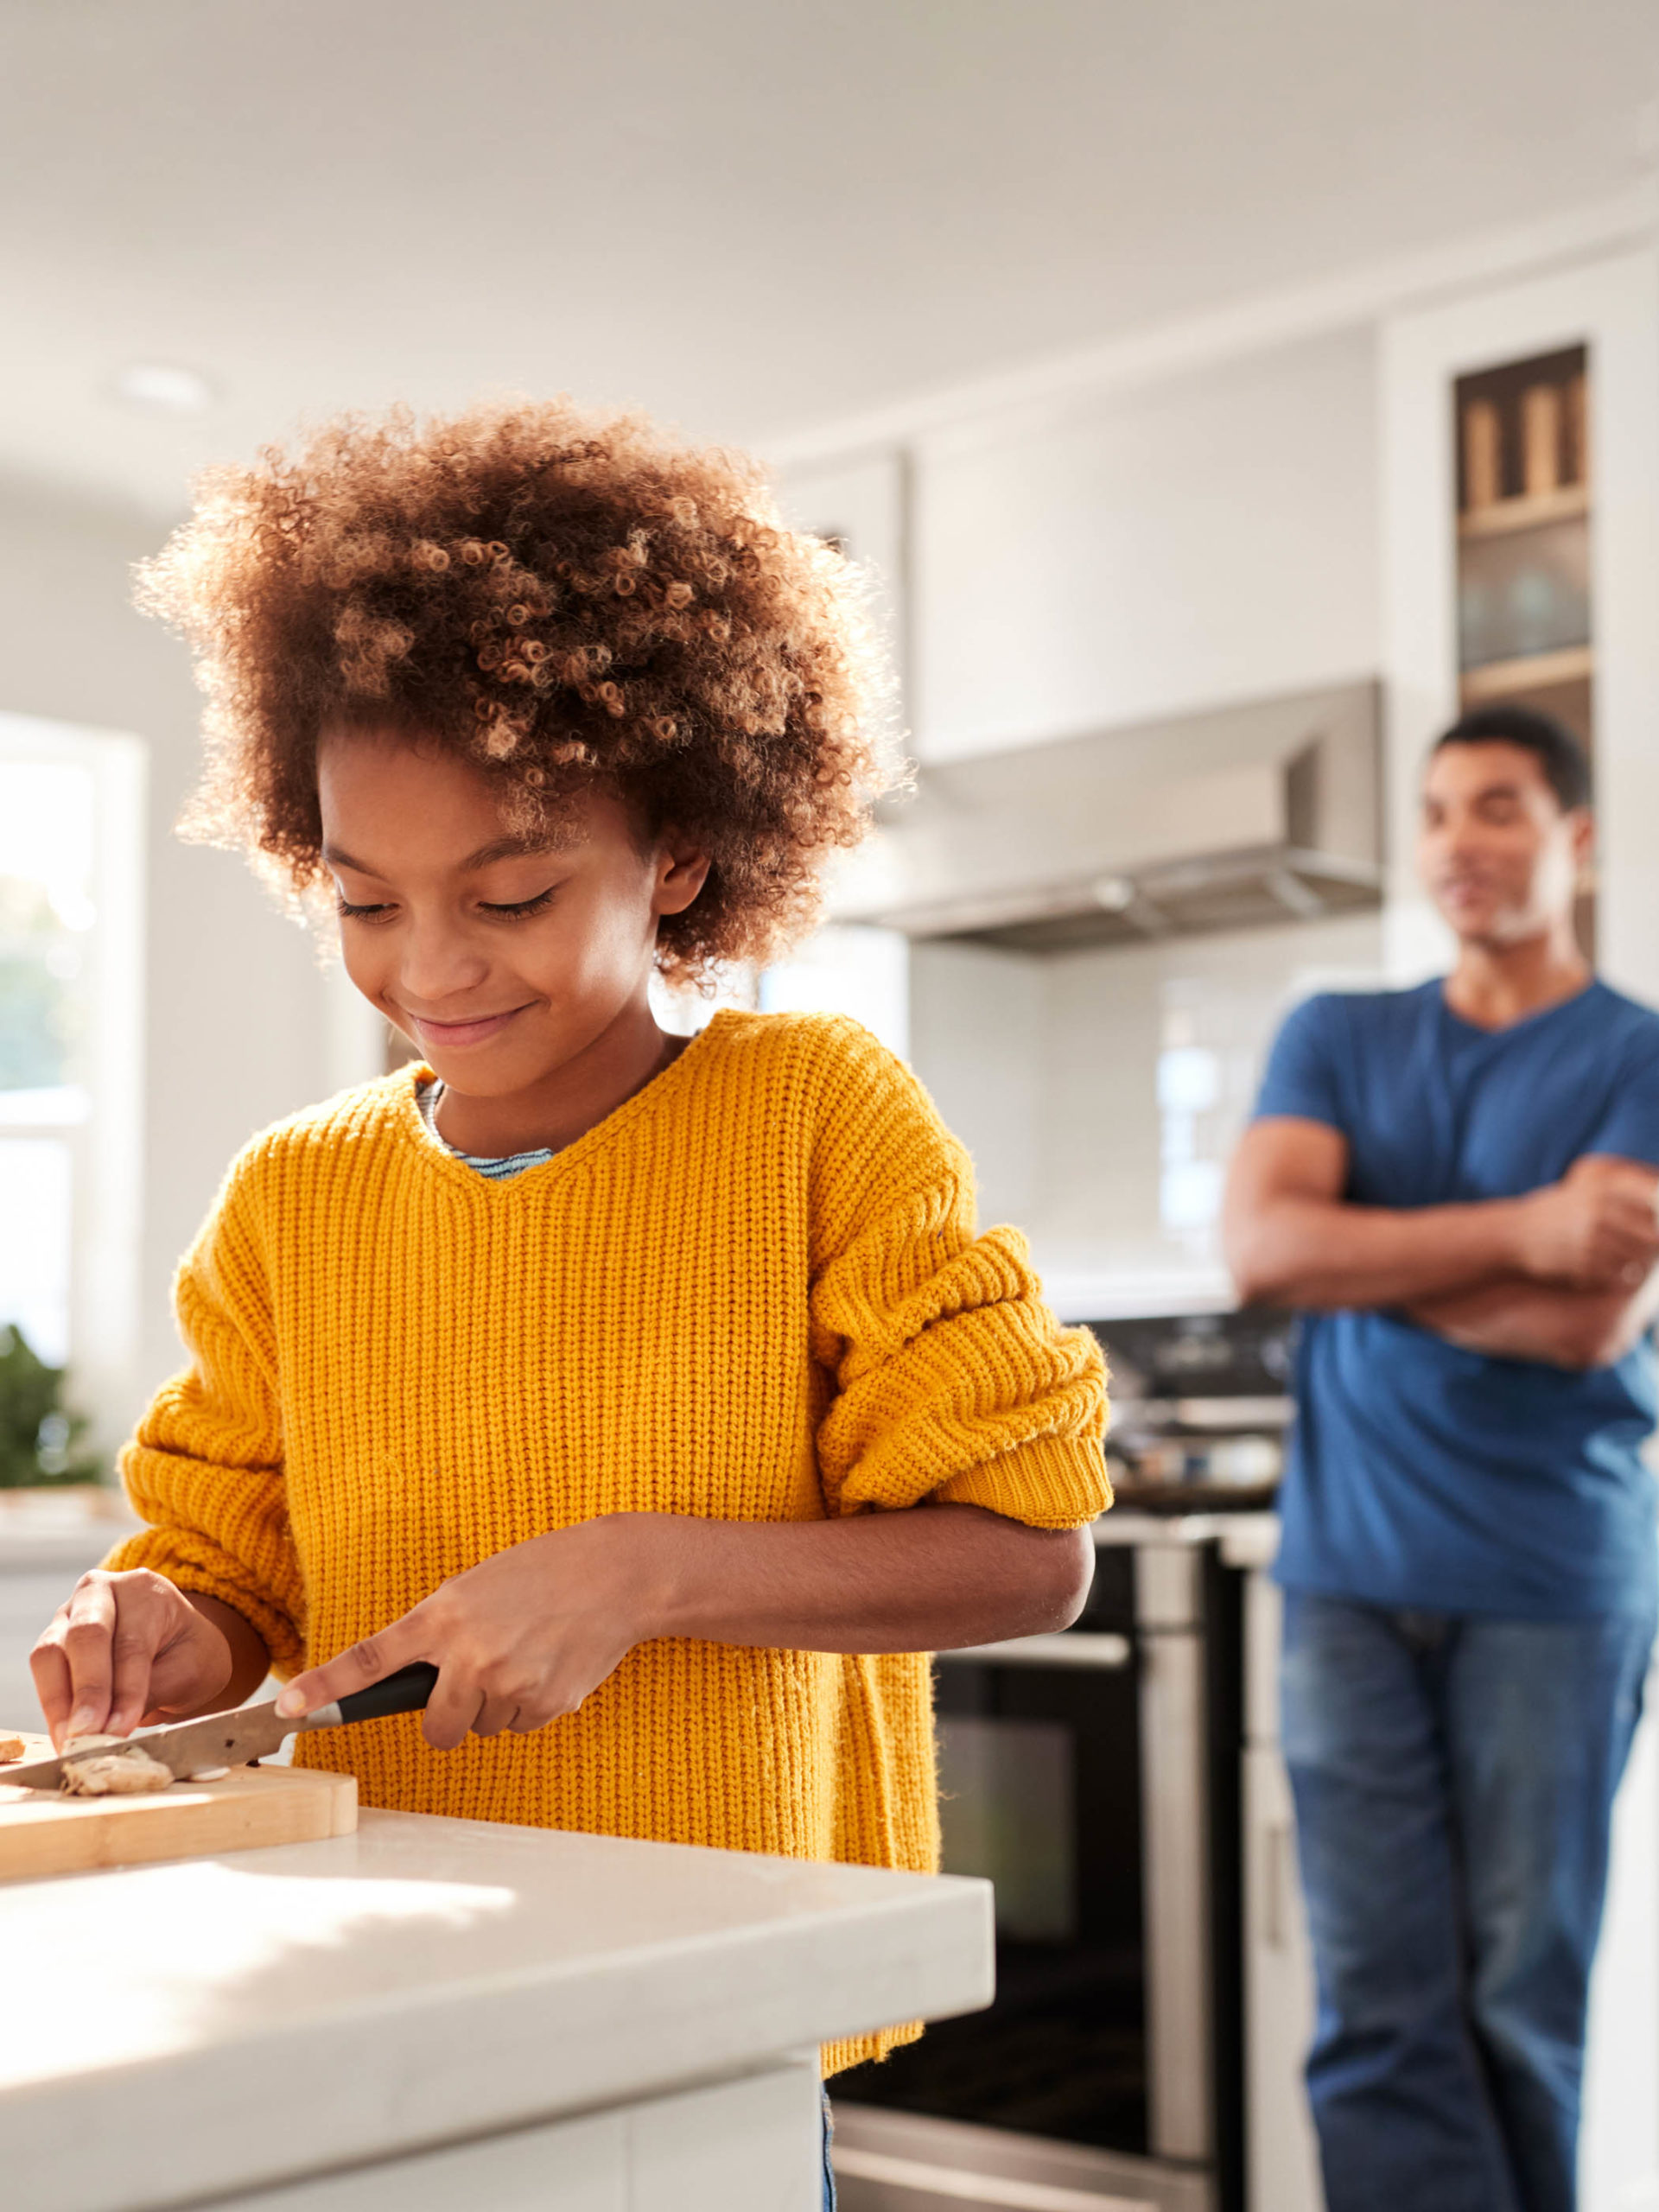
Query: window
<point x="71" y="985"/>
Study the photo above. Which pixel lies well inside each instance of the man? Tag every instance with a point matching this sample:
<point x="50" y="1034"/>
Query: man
<point x="1457" y="1185"/>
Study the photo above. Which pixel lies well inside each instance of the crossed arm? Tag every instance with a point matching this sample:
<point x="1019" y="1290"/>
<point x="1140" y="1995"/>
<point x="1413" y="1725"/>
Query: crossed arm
<point x="1567" y="1275"/>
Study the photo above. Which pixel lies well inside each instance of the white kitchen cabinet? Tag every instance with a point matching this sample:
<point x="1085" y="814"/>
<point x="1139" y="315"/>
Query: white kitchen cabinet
<point x="1618" y="2167"/>
<point x="1206" y="537"/>
<point x="1610" y="307"/>
<point x="1282" y="2171"/>
<point x="28" y="1601"/>
<point x="750" y="2146"/>
<point x="46" y="1541"/>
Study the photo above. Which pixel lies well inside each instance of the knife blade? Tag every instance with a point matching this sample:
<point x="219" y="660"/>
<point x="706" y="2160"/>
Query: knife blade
<point x="235" y="1738"/>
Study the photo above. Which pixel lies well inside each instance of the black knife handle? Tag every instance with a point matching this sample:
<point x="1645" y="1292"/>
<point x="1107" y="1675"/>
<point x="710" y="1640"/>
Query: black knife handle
<point x="407" y="1691"/>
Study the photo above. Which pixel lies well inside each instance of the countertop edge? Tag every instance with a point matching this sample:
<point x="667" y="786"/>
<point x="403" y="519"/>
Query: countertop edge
<point x="392" y="2075"/>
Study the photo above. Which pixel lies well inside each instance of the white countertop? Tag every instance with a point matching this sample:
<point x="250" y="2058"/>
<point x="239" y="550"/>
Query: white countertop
<point x="175" y="2031"/>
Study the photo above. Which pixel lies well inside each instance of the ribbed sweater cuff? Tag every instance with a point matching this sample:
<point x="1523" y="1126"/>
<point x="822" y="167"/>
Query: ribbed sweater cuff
<point x="857" y="2050"/>
<point x="153" y="1549"/>
<point x="1050" y="1482"/>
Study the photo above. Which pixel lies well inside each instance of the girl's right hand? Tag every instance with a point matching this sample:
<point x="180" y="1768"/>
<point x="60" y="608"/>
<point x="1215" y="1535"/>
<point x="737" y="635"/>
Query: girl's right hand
<point x="124" y="1648"/>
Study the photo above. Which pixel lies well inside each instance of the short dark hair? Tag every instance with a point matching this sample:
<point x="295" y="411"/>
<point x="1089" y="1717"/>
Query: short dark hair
<point x="1567" y="769"/>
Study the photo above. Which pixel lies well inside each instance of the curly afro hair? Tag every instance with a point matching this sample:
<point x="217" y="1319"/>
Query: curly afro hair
<point x="559" y="597"/>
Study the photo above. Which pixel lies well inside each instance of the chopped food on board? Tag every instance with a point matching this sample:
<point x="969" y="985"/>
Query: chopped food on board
<point x="121" y="1769"/>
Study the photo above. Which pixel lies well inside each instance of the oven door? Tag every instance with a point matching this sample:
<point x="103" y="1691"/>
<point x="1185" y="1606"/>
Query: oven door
<point x="1073" y="1773"/>
<point x="1039" y="1757"/>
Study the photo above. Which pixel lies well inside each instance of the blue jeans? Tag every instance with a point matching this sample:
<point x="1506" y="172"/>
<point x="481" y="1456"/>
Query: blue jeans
<point x="1454" y="1780"/>
<point x="829" y="2171"/>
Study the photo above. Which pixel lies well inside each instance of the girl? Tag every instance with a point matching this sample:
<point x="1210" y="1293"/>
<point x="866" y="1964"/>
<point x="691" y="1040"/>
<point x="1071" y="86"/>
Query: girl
<point x="659" y="1393"/>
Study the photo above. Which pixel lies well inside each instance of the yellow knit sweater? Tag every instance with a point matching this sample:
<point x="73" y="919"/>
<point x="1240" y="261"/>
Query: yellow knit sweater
<point x="752" y="1292"/>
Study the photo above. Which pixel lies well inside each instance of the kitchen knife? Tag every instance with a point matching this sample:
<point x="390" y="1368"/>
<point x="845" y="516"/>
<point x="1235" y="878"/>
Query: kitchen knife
<point x="237" y="1739"/>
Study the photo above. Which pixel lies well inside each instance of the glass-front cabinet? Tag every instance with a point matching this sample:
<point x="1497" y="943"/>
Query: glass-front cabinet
<point x="1526" y="631"/>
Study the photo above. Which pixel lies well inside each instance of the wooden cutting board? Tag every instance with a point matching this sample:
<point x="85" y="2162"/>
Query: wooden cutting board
<point x="43" y="1834"/>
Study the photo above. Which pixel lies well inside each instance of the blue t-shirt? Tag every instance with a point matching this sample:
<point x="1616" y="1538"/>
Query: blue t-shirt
<point x="1422" y="1475"/>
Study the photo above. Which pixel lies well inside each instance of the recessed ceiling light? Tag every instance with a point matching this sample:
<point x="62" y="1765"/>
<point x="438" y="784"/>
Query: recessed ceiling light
<point x="164" y="388"/>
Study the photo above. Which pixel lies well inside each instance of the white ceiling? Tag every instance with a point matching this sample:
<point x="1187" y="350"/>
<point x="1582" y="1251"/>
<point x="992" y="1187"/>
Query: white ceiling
<point x="749" y="214"/>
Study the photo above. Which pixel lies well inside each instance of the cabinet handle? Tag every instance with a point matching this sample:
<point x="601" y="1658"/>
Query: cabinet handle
<point x="1071" y="1647"/>
<point x="1278" y="1859"/>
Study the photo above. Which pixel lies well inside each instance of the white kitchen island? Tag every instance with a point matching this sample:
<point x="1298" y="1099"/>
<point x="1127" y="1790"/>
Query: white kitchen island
<point x="439" y="2013"/>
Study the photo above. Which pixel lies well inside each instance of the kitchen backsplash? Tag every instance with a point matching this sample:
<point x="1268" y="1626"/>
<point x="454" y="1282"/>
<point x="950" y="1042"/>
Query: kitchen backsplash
<point x="1101" y="1093"/>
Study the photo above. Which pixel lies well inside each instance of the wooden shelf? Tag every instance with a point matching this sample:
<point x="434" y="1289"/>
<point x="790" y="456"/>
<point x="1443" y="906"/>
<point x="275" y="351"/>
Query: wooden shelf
<point x="1566" y="504"/>
<point x="1530" y="672"/>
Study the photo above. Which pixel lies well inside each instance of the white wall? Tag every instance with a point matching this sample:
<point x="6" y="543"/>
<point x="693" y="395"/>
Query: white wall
<point x="1210" y="539"/>
<point x="240" y="1026"/>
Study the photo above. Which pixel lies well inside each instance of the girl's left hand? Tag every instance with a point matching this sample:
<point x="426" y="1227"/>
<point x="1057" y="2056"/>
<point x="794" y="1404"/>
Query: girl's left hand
<point x="522" y="1637"/>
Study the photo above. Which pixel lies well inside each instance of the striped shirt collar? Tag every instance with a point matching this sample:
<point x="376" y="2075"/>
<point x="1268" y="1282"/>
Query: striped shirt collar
<point x="497" y="1170"/>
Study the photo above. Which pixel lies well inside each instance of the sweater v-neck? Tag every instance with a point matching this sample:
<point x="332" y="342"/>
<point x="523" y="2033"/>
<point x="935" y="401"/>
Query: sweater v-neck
<point x="649" y="1099"/>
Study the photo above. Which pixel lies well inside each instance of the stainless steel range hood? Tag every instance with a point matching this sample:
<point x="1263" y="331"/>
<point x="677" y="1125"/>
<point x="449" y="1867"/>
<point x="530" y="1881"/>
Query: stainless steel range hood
<point x="1267" y="812"/>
